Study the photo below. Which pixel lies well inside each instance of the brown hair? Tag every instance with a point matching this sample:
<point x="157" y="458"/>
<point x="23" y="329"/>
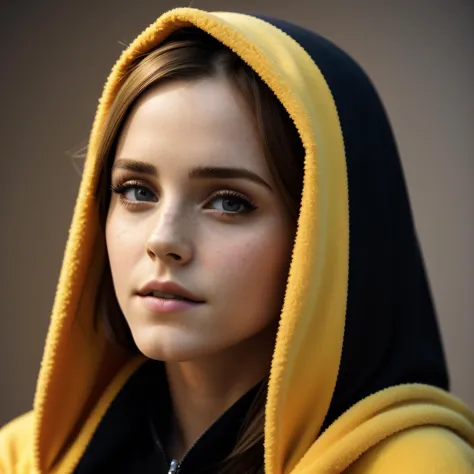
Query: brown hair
<point x="190" y="54"/>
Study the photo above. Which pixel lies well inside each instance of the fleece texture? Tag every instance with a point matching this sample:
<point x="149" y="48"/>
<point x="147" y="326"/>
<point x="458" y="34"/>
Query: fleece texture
<point x="358" y="381"/>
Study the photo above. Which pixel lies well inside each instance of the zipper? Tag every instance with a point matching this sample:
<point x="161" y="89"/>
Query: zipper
<point x="174" y="467"/>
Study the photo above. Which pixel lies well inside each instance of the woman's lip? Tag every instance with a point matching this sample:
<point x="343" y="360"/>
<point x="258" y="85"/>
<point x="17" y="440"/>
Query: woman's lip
<point x="169" y="287"/>
<point x="164" y="305"/>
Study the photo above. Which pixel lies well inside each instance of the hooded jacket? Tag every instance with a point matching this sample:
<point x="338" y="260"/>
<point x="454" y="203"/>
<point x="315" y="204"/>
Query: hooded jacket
<point x="358" y="381"/>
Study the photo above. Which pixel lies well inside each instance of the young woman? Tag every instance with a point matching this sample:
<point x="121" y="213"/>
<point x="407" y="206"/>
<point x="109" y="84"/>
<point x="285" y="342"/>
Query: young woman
<point x="242" y="289"/>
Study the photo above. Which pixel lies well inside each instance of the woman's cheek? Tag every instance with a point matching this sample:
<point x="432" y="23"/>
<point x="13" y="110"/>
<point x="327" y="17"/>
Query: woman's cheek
<point x="243" y="266"/>
<point x="124" y="249"/>
<point x="125" y="240"/>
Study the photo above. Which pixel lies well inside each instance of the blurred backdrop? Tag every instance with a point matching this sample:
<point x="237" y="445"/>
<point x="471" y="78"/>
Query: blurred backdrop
<point x="56" y="57"/>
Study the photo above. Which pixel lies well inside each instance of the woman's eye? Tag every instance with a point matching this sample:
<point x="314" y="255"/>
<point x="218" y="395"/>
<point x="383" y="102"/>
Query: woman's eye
<point x="138" y="193"/>
<point x="232" y="204"/>
<point x="131" y="194"/>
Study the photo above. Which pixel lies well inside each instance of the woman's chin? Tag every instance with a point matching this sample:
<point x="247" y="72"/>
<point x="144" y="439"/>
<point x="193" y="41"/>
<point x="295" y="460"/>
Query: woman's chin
<point x="172" y="349"/>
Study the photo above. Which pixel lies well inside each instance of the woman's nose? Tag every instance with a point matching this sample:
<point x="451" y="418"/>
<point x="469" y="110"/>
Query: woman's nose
<point x="170" y="238"/>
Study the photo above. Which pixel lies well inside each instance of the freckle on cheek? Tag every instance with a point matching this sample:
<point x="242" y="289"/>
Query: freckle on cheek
<point x="122" y="232"/>
<point x="243" y="255"/>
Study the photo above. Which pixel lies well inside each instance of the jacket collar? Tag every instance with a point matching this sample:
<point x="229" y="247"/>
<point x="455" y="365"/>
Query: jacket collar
<point x="132" y="434"/>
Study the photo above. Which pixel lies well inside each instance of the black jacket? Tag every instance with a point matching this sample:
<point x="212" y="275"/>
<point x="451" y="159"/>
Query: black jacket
<point x="131" y="437"/>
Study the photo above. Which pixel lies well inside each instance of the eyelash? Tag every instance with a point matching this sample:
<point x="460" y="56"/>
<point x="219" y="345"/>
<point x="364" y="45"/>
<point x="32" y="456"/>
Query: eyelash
<point x="121" y="187"/>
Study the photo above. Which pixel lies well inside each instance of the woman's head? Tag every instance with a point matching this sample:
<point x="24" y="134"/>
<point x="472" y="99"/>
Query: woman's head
<point x="192" y="104"/>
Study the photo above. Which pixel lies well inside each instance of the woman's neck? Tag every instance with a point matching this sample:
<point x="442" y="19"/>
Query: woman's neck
<point x="202" y="390"/>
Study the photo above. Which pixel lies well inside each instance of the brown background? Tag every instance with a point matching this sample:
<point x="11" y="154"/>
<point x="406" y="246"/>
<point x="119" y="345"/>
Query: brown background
<point x="55" y="58"/>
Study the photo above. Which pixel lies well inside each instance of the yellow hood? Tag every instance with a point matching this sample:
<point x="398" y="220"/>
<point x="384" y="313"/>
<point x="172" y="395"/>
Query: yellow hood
<point x="320" y="417"/>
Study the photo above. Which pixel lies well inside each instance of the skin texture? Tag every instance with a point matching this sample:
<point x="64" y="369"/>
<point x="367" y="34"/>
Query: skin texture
<point x="233" y="258"/>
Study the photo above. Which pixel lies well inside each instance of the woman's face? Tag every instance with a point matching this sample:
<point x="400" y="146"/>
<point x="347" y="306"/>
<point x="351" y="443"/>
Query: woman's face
<point x="202" y="212"/>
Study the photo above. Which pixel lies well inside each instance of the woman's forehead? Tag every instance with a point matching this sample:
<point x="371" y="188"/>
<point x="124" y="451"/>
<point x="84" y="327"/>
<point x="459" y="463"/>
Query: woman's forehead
<point x="199" y="123"/>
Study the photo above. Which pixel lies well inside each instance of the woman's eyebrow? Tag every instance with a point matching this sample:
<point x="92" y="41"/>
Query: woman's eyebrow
<point x="227" y="173"/>
<point x="198" y="172"/>
<point x="134" y="165"/>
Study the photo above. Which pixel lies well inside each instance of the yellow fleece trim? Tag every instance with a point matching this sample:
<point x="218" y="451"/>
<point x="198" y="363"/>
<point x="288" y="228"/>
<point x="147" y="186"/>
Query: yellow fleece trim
<point x="379" y="416"/>
<point x="422" y="449"/>
<point x="73" y="455"/>
<point x="16" y="445"/>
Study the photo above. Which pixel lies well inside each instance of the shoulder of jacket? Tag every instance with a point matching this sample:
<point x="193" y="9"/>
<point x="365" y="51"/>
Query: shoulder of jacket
<point x="16" y="442"/>
<point x="425" y="449"/>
